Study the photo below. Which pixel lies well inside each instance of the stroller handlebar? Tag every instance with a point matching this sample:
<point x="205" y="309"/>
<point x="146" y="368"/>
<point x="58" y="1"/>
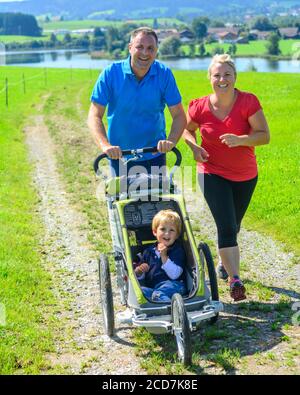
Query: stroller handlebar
<point x="137" y="152"/>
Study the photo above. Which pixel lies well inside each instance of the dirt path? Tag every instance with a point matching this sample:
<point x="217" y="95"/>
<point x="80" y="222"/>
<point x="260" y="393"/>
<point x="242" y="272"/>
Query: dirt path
<point x="258" y="328"/>
<point x="82" y="348"/>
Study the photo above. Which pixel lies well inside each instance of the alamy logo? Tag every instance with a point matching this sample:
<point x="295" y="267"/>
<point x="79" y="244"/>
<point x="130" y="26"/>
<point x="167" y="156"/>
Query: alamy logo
<point x="2" y="315"/>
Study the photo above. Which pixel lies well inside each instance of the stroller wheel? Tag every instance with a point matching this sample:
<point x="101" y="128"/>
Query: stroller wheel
<point x="106" y="296"/>
<point x="181" y="330"/>
<point x="209" y="268"/>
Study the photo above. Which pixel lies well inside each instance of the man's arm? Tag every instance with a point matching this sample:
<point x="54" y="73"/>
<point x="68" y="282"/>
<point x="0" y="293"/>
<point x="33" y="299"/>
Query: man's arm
<point x="97" y="128"/>
<point x="177" y="128"/>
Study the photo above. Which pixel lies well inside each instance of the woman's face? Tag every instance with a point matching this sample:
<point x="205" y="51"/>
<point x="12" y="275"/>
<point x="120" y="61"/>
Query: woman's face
<point x="222" y="78"/>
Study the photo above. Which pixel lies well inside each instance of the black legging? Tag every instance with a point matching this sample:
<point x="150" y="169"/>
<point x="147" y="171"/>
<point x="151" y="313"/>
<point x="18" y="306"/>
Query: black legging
<point x="228" y="202"/>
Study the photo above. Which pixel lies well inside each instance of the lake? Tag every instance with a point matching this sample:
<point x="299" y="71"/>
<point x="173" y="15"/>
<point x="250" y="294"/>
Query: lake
<point x="82" y="59"/>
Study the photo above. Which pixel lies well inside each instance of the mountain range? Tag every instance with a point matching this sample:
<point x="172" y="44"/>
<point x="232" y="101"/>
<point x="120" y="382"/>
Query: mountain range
<point x="132" y="9"/>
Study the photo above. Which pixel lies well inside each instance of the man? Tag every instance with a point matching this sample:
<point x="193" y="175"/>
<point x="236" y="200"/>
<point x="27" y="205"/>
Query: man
<point x="136" y="91"/>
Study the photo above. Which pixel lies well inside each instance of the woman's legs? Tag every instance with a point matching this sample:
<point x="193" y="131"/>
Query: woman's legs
<point x="228" y="202"/>
<point x="218" y="195"/>
<point x="230" y="258"/>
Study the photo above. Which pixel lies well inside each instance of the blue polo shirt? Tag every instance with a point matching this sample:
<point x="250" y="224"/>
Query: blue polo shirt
<point x="135" y="109"/>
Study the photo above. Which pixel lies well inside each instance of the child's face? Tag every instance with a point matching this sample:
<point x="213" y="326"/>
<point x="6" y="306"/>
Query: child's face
<point x="166" y="233"/>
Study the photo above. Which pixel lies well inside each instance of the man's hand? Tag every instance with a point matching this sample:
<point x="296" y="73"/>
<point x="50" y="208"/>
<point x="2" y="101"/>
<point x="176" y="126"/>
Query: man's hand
<point x="112" y="151"/>
<point x="164" y="146"/>
<point x="142" y="268"/>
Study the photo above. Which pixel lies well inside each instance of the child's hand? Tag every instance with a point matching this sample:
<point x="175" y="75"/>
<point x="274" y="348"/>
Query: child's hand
<point x="163" y="250"/>
<point x="143" y="268"/>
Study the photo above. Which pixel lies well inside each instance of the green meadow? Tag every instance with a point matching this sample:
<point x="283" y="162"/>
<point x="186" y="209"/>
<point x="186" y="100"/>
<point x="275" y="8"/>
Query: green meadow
<point x="91" y="23"/>
<point x="25" y="285"/>
<point x="253" y="48"/>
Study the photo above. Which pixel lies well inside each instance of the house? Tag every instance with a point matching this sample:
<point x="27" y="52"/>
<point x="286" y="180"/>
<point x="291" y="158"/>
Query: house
<point x="223" y="34"/>
<point x="60" y="31"/>
<point x="260" y="34"/>
<point x="186" y="36"/>
<point x="242" y="40"/>
<point x="289" y="32"/>
<point x="228" y="37"/>
<point x="162" y="34"/>
<point x="83" y="31"/>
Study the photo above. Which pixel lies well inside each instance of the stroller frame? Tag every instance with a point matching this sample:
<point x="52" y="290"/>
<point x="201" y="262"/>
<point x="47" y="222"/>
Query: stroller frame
<point x="130" y="217"/>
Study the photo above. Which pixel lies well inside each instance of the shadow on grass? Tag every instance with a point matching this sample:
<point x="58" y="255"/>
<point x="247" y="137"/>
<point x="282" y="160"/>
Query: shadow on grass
<point x="243" y="329"/>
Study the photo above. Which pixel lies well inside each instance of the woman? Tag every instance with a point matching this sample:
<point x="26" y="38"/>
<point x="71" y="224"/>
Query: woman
<point x="231" y="124"/>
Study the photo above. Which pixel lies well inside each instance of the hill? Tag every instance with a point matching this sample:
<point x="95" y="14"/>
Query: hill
<point x="119" y="9"/>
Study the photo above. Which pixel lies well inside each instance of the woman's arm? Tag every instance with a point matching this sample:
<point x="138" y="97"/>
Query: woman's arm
<point x="259" y="134"/>
<point x="189" y="136"/>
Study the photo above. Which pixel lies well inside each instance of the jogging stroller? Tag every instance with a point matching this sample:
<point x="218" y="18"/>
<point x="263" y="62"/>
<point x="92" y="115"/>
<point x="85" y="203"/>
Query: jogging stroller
<point x="131" y="208"/>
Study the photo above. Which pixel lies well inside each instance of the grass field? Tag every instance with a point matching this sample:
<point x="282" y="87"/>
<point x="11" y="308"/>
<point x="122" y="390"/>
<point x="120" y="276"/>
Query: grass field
<point x="26" y="301"/>
<point x="24" y="284"/>
<point x="91" y="23"/>
<point x="253" y="48"/>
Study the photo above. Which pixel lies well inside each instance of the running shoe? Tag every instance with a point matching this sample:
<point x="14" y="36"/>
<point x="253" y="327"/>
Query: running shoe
<point x="221" y="271"/>
<point x="237" y="289"/>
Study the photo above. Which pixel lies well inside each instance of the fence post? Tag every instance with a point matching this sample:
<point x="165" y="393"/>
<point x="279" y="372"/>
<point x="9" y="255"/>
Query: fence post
<point x="6" y="92"/>
<point x="24" y="86"/>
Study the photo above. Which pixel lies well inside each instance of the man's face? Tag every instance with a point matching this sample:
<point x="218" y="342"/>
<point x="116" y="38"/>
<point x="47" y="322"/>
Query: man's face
<point x="143" y="50"/>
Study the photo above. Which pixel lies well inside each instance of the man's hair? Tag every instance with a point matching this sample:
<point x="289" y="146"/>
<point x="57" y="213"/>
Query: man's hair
<point x="145" y="30"/>
<point x="164" y="216"/>
<point x="223" y="58"/>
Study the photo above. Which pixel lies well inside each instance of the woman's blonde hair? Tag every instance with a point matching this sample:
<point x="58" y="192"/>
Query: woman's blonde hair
<point x="167" y="216"/>
<point x="223" y="58"/>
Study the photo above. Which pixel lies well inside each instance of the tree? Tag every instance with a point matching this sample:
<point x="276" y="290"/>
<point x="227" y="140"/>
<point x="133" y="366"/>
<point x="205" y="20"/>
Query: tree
<point x="202" y="50"/>
<point x="170" y="46"/>
<point x="199" y="28"/>
<point x="262" y="23"/>
<point x="67" y="38"/>
<point x="98" y="32"/>
<point x="19" y="24"/>
<point x="53" y="38"/>
<point x="192" y="49"/>
<point x="273" y="44"/>
<point x="232" y="49"/>
<point x="217" y="50"/>
<point x="111" y="35"/>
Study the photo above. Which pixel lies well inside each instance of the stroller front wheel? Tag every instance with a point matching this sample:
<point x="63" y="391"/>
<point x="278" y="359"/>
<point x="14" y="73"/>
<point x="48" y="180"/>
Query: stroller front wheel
<point x="106" y="296"/>
<point x="181" y="329"/>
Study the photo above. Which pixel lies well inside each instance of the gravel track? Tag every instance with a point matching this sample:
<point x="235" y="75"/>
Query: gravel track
<point x="83" y="348"/>
<point x="69" y="256"/>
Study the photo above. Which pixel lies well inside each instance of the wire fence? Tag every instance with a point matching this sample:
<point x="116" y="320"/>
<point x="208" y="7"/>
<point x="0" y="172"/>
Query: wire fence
<point x="45" y="77"/>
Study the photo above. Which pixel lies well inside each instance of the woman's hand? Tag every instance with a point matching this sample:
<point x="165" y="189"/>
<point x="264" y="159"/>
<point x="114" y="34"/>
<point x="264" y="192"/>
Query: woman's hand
<point x="200" y="154"/>
<point x="231" y="140"/>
